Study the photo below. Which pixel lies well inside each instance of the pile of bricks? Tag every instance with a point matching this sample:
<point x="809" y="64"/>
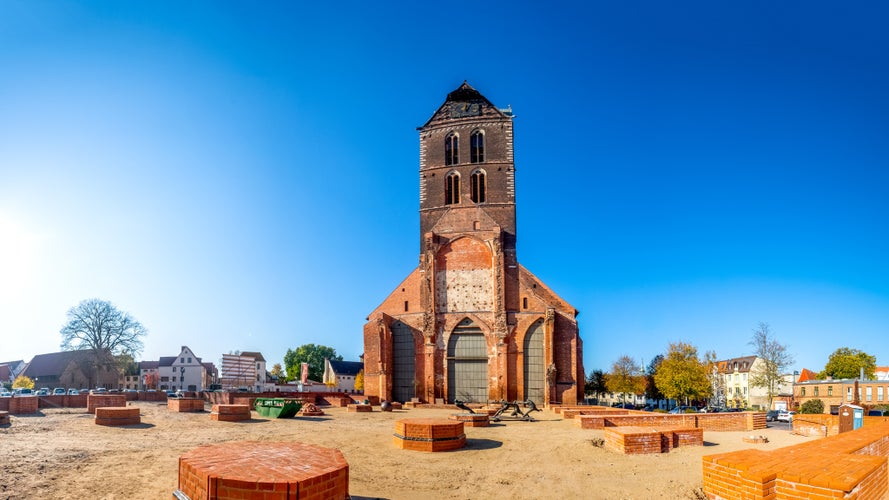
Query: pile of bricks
<point x="230" y="413"/>
<point x="429" y="434"/>
<point x="310" y="410"/>
<point x="359" y="408"/>
<point x="117" y="416"/>
<point x="472" y="419"/>
<point x="104" y="401"/>
<point x="264" y="470"/>
<point x="641" y="440"/>
<point x="848" y="465"/>
<point x="4" y="418"/>
<point x="182" y="405"/>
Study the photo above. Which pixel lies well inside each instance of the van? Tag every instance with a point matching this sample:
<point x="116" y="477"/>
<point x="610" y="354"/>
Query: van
<point x="876" y="413"/>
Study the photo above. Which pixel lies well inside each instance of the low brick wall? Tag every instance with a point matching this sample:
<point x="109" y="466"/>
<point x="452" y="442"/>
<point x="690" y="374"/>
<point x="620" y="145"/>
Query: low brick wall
<point x="634" y="440"/>
<point x="230" y="413"/>
<point x="94" y="401"/>
<point x="472" y="419"/>
<point x="429" y="434"/>
<point x="806" y="424"/>
<point x="182" y="405"/>
<point x="353" y="408"/>
<point x="569" y="413"/>
<point x="22" y="405"/>
<point x="848" y="465"/>
<point x="743" y="421"/>
<point x="264" y="470"/>
<point x="117" y="416"/>
<point x="4" y="417"/>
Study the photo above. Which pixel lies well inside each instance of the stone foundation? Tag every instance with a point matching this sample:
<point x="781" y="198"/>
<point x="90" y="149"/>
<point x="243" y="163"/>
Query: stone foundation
<point x="4" y="418"/>
<point x="360" y="408"/>
<point x="641" y="440"/>
<point x="472" y="419"/>
<point x="94" y="401"/>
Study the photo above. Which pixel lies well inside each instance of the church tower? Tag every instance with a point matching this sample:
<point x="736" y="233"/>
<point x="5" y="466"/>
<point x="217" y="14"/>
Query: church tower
<point x="470" y="323"/>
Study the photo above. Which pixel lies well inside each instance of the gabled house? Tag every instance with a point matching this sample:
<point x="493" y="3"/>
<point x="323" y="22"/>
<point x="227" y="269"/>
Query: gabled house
<point x="184" y="372"/>
<point x="340" y="375"/>
<point x="69" y="369"/>
<point x="9" y="370"/>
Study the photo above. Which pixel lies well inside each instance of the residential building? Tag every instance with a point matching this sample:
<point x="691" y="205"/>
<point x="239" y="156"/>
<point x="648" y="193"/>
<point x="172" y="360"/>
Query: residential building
<point x="341" y="374"/>
<point x="470" y="323"/>
<point x="835" y="392"/>
<point x="737" y="383"/>
<point x="184" y="372"/>
<point x="246" y="370"/>
<point x="9" y="370"/>
<point x="69" y="369"/>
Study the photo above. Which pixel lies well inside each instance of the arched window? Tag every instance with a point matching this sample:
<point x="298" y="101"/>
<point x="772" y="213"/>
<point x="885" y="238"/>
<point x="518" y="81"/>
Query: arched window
<point x="452" y="149"/>
<point x="477" y="147"/>
<point x="452" y="188"/>
<point x="477" y="186"/>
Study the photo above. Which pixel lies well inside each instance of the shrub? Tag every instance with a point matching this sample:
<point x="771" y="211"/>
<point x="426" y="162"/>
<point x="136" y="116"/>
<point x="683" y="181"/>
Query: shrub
<point x="812" y="406"/>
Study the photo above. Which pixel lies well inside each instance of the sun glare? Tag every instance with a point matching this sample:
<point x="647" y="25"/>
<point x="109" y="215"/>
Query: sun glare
<point x="18" y="248"/>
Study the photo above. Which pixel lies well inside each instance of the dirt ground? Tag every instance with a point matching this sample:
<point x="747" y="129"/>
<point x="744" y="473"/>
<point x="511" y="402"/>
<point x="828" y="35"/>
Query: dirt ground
<point x="62" y="454"/>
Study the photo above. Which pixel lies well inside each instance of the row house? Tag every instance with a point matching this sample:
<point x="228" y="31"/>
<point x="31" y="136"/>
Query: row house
<point x="245" y="371"/>
<point x="185" y="372"/>
<point x="835" y="392"/>
<point x="735" y="388"/>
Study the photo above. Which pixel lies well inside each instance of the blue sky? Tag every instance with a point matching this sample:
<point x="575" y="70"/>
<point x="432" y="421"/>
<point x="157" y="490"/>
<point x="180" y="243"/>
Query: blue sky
<point x="243" y="176"/>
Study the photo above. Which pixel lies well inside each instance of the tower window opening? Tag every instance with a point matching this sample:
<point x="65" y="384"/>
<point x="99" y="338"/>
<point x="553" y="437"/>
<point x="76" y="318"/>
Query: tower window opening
<point x="477" y="147"/>
<point x="477" y="186"/>
<point x="524" y="302"/>
<point x="452" y="149"/>
<point x="405" y="306"/>
<point x="452" y="189"/>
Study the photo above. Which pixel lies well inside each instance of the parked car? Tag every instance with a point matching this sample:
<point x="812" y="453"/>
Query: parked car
<point x="43" y="392"/>
<point x="683" y="409"/>
<point x="5" y="394"/>
<point x="73" y="392"/>
<point x="58" y="391"/>
<point x="877" y="413"/>
<point x="771" y="415"/>
<point x="23" y="391"/>
<point x="785" y="416"/>
<point x="84" y="391"/>
<point x="172" y="394"/>
<point x="99" y="390"/>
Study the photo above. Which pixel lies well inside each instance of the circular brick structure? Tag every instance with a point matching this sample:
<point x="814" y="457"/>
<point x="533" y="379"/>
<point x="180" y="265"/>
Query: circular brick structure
<point x="472" y="419"/>
<point x="429" y="434"/>
<point x="266" y="470"/>
<point x="115" y="416"/>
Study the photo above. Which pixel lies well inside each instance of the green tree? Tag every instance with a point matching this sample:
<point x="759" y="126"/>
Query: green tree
<point x="96" y="326"/>
<point x="22" y="382"/>
<point x="625" y="377"/>
<point x="682" y="375"/>
<point x="812" y="406"/>
<point x="651" y="390"/>
<point x="776" y="360"/>
<point x="847" y="363"/>
<point x="595" y="384"/>
<point x="312" y="354"/>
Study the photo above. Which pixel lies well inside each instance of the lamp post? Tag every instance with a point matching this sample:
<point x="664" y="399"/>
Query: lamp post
<point x="182" y="378"/>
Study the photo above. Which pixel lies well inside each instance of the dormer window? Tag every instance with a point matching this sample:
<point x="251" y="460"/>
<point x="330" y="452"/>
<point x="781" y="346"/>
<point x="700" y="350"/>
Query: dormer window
<point x="477" y="147"/>
<point x="452" y="189"/>
<point x="477" y="186"/>
<point x="452" y="149"/>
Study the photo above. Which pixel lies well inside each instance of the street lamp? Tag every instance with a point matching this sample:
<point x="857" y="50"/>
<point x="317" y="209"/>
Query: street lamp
<point x="182" y="378"/>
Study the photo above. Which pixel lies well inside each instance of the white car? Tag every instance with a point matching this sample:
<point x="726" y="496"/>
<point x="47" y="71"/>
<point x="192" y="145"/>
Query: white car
<point x="5" y="394"/>
<point x="785" y="416"/>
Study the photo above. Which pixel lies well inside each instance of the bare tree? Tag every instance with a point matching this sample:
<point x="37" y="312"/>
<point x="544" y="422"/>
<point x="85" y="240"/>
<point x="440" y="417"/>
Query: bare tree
<point x="97" y="326"/>
<point x="775" y="358"/>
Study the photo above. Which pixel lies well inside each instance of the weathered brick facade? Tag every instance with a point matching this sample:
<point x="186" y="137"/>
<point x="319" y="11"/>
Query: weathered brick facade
<point x="470" y="323"/>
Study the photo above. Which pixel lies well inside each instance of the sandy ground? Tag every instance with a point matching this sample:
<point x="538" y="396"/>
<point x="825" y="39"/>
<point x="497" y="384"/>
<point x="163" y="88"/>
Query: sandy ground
<point x="62" y="454"/>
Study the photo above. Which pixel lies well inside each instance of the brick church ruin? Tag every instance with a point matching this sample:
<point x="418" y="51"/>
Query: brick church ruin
<point x="470" y="323"/>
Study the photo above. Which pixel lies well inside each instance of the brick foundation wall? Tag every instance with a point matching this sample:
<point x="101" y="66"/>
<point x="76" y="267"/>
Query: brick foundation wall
<point x="429" y="434"/>
<point x="185" y="404"/>
<point x="23" y="405"/>
<point x="264" y="470"/>
<point x="4" y="417"/>
<point x="115" y="416"/>
<point x="848" y="465"/>
<point x="230" y="413"/>
<point x="643" y="440"/>
<point x="94" y="401"/>
<point x="746" y="421"/>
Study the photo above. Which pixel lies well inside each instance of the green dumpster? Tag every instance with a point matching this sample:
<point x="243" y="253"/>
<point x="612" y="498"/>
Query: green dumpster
<point x="277" y="407"/>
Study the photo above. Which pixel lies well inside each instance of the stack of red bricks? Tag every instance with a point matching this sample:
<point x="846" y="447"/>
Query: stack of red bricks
<point x="104" y="401"/>
<point x="117" y="416"/>
<point x="264" y="470"/>
<point x="185" y="404"/>
<point x="230" y="413"/>
<point x="310" y="410"/>
<point x="848" y="465"/>
<point x="429" y="434"/>
<point x="472" y="419"/>
<point x="360" y="408"/>
<point x="640" y="440"/>
<point x="4" y="418"/>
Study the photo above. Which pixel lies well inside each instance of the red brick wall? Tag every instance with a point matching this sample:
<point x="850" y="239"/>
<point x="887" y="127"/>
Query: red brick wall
<point x="23" y="405"/>
<point x="94" y="401"/>
<point x="185" y="404"/>
<point x="742" y="421"/>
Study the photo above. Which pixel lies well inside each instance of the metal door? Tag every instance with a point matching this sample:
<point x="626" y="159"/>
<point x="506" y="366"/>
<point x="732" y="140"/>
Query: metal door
<point x="403" y="359"/>
<point x="533" y="365"/>
<point x="467" y="364"/>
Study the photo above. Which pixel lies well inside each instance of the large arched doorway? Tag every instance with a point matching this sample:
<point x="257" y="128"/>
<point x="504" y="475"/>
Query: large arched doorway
<point x="467" y="364"/>
<point x="403" y="359"/>
<point x="533" y="363"/>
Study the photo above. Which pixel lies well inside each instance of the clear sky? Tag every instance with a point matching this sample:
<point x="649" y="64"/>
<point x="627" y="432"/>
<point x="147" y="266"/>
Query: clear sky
<point x="243" y="175"/>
